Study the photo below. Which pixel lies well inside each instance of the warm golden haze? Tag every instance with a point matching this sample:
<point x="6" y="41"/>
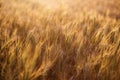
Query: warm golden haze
<point x="59" y="40"/>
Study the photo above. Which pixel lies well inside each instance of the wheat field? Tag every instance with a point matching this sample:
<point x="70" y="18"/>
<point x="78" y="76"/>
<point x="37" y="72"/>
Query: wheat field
<point x="59" y="40"/>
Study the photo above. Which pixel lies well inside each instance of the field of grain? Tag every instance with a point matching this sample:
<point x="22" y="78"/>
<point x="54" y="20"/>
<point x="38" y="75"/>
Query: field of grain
<point x="59" y="40"/>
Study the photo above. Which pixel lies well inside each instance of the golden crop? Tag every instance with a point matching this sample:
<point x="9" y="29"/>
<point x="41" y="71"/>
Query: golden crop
<point x="63" y="43"/>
